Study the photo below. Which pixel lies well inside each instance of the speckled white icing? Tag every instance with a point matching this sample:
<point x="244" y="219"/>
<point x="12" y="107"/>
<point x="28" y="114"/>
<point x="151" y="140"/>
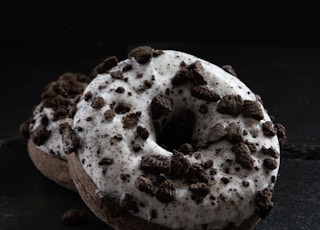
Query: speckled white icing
<point x="58" y="101"/>
<point x="226" y="203"/>
<point x="54" y="144"/>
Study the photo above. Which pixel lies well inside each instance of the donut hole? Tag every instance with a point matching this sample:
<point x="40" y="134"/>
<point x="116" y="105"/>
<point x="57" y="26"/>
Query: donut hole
<point x="177" y="130"/>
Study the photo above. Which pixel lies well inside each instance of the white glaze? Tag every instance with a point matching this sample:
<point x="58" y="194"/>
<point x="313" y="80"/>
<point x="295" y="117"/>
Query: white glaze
<point x="97" y="142"/>
<point x="54" y="144"/>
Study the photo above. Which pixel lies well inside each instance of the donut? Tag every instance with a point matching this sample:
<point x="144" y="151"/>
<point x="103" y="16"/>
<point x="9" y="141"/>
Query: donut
<point x="167" y="140"/>
<point x="49" y="119"/>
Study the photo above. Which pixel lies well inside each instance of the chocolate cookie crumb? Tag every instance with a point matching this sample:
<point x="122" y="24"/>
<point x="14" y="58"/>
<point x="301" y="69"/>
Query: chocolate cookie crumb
<point x="40" y="135"/>
<point x="74" y="217"/>
<point x="252" y="146"/>
<point x="217" y="133"/>
<point x="263" y="202"/>
<point x="55" y="102"/>
<point x="270" y="164"/>
<point x="68" y="85"/>
<point x="24" y="128"/>
<point x="156" y="53"/>
<point x="131" y="119"/>
<point x="243" y="155"/>
<point x="193" y="73"/>
<point x="207" y="164"/>
<point x="181" y="77"/>
<point x="106" y="161"/>
<point x="118" y="137"/>
<point x="72" y="110"/>
<point x="234" y="132"/>
<point x="88" y="96"/>
<point x="60" y="113"/>
<point x="70" y="139"/>
<point x="268" y="129"/>
<point x="281" y="133"/>
<point x="144" y="184"/>
<point x="127" y="67"/>
<point x="166" y="192"/>
<point x="245" y="183"/>
<point x="109" y="114"/>
<point x="136" y="146"/>
<point x="186" y="148"/>
<point x="139" y="75"/>
<point x="202" y="92"/>
<point x="229" y="69"/>
<point x="122" y="108"/>
<point x="197" y="72"/>
<point x="44" y="120"/>
<point x="120" y="89"/>
<point x="161" y="106"/>
<point x="102" y="86"/>
<point x="270" y="152"/>
<point x="142" y="132"/>
<point x="252" y="109"/>
<point x="199" y="189"/>
<point x="179" y="165"/>
<point x="125" y="177"/>
<point x="147" y="84"/>
<point x="197" y="174"/>
<point x="62" y="126"/>
<point x="105" y="65"/>
<point x="225" y="180"/>
<point x="98" y="102"/>
<point x="155" y="164"/>
<point x="230" y="104"/>
<point x="116" y="75"/>
<point x="141" y="54"/>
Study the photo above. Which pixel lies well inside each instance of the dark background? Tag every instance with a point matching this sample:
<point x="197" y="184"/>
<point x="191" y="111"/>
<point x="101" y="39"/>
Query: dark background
<point x="264" y="40"/>
<point x="90" y="25"/>
<point x="273" y="46"/>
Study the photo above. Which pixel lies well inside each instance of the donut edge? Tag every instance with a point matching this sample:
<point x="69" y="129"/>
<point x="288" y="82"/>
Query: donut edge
<point x="52" y="167"/>
<point x="107" y="210"/>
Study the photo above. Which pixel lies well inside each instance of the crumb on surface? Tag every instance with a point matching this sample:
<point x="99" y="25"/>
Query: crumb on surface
<point x="74" y="217"/>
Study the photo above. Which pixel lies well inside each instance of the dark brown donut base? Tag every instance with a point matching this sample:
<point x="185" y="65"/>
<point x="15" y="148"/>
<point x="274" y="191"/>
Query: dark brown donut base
<point x="52" y="167"/>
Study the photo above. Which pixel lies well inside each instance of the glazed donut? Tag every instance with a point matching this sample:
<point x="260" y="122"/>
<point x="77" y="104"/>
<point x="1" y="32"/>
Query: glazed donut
<point x="167" y="140"/>
<point x="44" y="128"/>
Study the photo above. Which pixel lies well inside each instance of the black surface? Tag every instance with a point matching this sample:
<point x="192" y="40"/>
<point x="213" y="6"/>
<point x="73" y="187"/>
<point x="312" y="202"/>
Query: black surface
<point x="30" y="201"/>
<point x="286" y="77"/>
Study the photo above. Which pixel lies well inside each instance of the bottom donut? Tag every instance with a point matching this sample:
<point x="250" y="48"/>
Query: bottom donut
<point x="52" y="167"/>
<point x="109" y="211"/>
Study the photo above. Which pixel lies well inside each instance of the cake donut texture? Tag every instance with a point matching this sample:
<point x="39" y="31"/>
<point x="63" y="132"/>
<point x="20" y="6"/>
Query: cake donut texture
<point x="47" y="123"/>
<point x="167" y="140"/>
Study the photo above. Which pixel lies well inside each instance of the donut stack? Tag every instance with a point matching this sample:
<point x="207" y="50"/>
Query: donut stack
<point x="160" y="140"/>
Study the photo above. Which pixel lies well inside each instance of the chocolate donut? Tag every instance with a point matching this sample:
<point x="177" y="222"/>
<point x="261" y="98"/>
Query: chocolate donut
<point x="48" y="122"/>
<point x="167" y="140"/>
